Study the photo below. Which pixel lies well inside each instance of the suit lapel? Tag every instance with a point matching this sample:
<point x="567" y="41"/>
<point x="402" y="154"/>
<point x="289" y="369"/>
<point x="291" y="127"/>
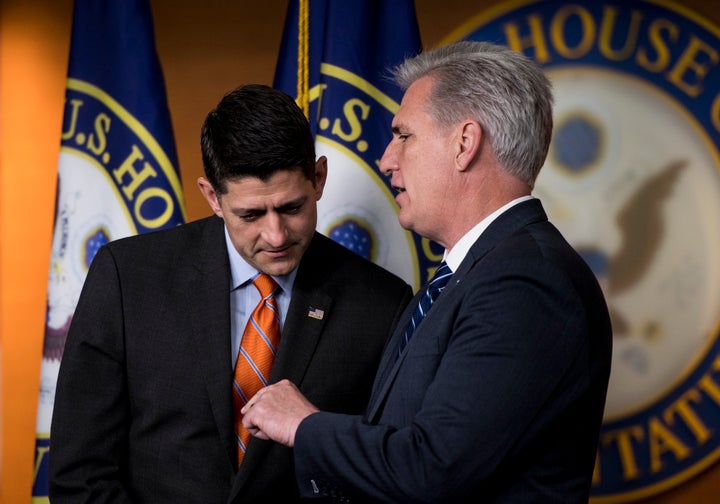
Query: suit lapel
<point x="309" y="308"/>
<point x="208" y="301"/>
<point x="390" y="362"/>
<point x="303" y="327"/>
<point x="506" y="224"/>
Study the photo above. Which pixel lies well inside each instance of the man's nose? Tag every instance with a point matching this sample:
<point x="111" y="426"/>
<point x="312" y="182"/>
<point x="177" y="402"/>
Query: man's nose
<point x="274" y="230"/>
<point x="388" y="161"/>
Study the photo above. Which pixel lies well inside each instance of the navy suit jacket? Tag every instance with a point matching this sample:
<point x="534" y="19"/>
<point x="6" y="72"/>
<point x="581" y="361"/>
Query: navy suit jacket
<point x="143" y="409"/>
<point x="499" y="395"/>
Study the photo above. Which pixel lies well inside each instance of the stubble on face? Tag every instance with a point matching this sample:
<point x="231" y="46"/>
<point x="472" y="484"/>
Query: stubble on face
<point x="271" y="223"/>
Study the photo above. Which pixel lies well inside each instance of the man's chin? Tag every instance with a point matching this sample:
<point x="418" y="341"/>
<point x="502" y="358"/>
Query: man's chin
<point x="404" y="221"/>
<point x="280" y="267"/>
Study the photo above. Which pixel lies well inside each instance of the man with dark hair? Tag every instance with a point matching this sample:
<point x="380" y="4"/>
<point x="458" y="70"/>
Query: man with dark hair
<point x="157" y="362"/>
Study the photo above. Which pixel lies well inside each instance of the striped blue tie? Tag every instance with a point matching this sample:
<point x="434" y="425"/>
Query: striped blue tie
<point x="434" y="288"/>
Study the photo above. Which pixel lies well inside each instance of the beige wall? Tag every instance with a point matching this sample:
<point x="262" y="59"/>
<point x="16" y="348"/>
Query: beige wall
<point x="204" y="53"/>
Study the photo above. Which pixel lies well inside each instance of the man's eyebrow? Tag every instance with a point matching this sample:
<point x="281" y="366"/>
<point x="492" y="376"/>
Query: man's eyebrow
<point x="247" y="210"/>
<point x="292" y="203"/>
<point x="261" y="210"/>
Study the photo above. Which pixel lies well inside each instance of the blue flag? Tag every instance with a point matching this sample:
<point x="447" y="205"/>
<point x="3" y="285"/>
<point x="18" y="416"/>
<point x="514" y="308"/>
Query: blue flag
<point x="334" y="59"/>
<point x="117" y="170"/>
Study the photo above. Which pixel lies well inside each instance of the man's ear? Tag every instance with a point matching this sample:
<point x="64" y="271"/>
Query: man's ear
<point x="320" y="176"/>
<point x="210" y="196"/>
<point x="468" y="144"/>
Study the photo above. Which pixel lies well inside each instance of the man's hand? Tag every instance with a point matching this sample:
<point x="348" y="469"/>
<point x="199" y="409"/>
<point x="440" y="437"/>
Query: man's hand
<point x="275" y="412"/>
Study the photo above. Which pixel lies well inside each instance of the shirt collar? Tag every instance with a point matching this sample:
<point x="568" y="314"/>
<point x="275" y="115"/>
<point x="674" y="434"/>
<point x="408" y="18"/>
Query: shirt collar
<point x="455" y="256"/>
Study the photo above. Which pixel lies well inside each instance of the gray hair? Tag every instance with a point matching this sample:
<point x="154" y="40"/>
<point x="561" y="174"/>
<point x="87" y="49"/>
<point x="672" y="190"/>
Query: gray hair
<point x="504" y="91"/>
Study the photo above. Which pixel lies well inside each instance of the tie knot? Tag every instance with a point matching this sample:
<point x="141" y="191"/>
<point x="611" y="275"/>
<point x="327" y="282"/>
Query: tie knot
<point x="441" y="277"/>
<point x="265" y="284"/>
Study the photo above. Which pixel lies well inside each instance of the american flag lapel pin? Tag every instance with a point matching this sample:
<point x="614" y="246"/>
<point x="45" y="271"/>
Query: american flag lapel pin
<point x="316" y="313"/>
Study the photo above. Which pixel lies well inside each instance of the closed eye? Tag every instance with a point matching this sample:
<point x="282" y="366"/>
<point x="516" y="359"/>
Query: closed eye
<point x="292" y="207"/>
<point x="250" y="216"/>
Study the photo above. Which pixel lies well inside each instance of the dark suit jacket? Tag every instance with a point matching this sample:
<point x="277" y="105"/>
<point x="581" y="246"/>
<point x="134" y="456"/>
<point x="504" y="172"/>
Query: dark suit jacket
<point x="143" y="409"/>
<point x="498" y="397"/>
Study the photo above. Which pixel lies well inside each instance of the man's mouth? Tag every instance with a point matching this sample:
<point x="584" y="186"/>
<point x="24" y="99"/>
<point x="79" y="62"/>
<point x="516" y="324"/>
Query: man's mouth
<point x="279" y="252"/>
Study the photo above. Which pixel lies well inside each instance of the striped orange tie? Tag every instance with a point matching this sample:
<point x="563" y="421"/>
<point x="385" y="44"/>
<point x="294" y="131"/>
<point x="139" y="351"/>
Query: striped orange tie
<point x="257" y="352"/>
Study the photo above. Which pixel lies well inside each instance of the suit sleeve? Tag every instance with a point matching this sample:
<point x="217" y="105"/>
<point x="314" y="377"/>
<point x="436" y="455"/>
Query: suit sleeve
<point x="91" y="397"/>
<point x="489" y="377"/>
